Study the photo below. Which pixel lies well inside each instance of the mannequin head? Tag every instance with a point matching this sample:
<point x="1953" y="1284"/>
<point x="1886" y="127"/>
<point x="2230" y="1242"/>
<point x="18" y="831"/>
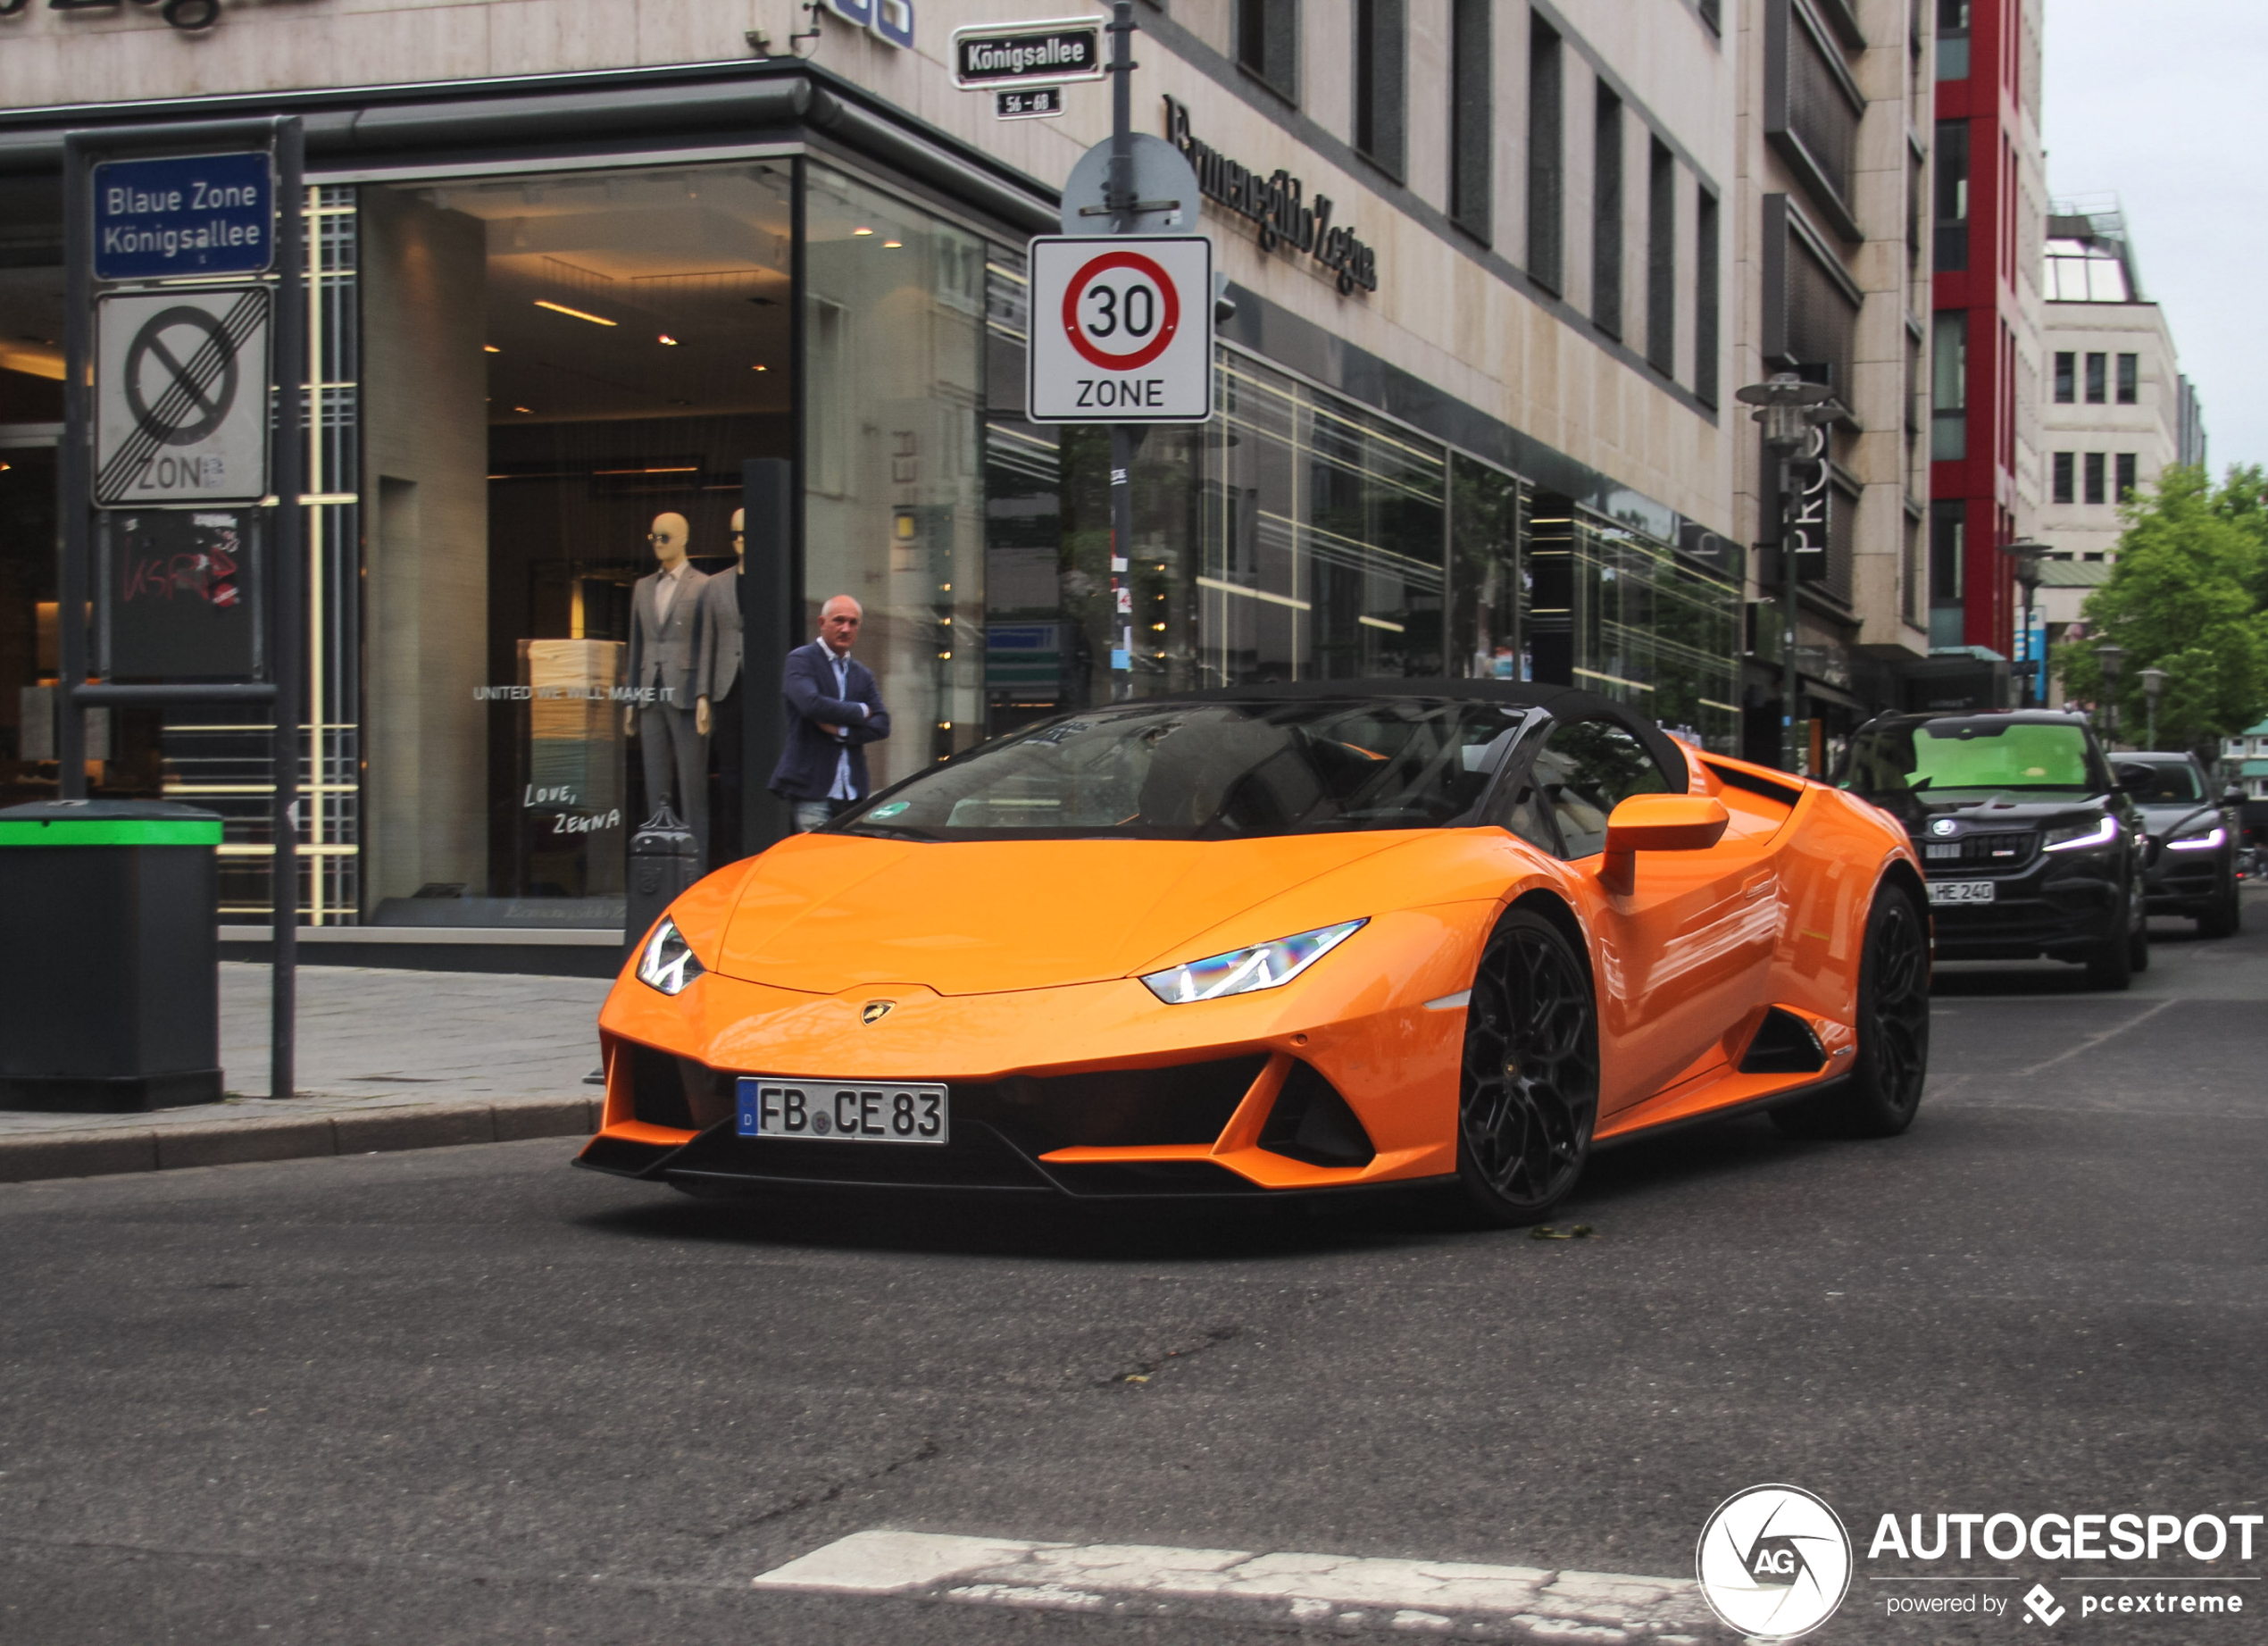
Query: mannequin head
<point x="739" y="544"/>
<point x="669" y="534"/>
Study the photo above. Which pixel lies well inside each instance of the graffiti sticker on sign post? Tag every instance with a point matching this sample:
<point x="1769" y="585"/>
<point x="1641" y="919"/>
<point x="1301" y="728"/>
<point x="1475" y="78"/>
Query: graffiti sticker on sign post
<point x="1122" y="329"/>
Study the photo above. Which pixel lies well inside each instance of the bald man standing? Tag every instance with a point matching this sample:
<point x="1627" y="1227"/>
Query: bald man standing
<point x="834" y="710"/>
<point x="666" y="667"/>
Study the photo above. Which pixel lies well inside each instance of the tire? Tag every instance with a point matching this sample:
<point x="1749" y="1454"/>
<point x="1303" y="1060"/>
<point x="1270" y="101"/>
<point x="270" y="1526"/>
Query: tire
<point x="2226" y="917"/>
<point x="2112" y="966"/>
<point x="1880" y="1095"/>
<point x="1528" y="1095"/>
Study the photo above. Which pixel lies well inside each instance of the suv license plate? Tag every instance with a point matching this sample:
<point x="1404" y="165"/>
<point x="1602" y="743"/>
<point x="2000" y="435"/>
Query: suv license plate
<point x="842" y="1111"/>
<point x="1961" y="891"/>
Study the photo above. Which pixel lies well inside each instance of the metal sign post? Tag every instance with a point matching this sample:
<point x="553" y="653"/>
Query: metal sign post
<point x="185" y="397"/>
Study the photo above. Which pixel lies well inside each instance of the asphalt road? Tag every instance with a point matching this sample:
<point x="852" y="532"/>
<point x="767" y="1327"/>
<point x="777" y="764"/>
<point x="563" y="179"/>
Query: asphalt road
<point x="468" y="1395"/>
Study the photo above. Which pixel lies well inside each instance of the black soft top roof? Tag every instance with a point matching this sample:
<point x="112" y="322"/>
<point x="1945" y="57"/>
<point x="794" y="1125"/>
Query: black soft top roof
<point x="1560" y="702"/>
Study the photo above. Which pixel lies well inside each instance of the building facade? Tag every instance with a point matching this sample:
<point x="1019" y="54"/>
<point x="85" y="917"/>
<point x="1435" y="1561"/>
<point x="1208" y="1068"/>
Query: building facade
<point x="1989" y="209"/>
<point x="1832" y="162"/>
<point x="572" y="269"/>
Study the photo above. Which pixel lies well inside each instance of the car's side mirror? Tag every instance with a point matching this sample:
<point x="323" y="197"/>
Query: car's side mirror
<point x="1657" y="823"/>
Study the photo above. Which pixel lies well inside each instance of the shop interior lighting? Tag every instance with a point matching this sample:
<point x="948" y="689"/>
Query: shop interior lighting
<point x="1373" y="623"/>
<point x="891" y="245"/>
<point x="522" y="408"/>
<point x="760" y="368"/>
<point x="666" y="339"/>
<point x="561" y="308"/>
<point x="490" y="348"/>
<point x="862" y="233"/>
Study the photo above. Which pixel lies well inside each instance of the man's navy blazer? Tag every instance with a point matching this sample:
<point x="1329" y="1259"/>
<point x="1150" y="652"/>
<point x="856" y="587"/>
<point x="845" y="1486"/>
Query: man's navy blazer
<point x="807" y="768"/>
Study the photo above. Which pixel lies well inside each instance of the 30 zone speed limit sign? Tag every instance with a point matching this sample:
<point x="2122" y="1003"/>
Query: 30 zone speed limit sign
<point x="1122" y="329"/>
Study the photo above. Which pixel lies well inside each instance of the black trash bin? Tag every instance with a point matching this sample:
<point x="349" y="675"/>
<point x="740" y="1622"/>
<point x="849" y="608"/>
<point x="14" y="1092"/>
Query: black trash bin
<point x="110" y="973"/>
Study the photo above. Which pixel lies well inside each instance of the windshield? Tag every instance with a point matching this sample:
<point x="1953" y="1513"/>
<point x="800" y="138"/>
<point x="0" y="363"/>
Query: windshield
<point x="2170" y="784"/>
<point x="1210" y="771"/>
<point x="1963" y="759"/>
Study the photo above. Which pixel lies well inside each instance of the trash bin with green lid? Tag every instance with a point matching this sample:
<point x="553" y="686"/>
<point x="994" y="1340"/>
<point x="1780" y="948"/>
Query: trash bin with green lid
<point x="109" y="977"/>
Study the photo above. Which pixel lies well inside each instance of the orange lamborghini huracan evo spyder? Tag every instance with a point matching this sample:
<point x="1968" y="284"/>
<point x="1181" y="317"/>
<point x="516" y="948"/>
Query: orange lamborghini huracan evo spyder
<point x="1275" y="940"/>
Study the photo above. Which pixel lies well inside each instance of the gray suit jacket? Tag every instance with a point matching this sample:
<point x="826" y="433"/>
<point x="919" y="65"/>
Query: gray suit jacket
<point x="719" y="638"/>
<point x="665" y="653"/>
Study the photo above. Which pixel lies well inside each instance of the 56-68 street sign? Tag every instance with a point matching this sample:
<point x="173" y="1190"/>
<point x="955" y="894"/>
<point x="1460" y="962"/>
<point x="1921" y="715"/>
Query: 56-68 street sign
<point x="1122" y="329"/>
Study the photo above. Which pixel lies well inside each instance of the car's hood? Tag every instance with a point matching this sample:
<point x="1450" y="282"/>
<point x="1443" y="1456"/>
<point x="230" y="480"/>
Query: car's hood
<point x="828" y="912"/>
<point x="2167" y="820"/>
<point x="1917" y="812"/>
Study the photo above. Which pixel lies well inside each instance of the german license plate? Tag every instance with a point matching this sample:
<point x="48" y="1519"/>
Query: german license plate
<point x="842" y="1111"/>
<point x="1961" y="891"/>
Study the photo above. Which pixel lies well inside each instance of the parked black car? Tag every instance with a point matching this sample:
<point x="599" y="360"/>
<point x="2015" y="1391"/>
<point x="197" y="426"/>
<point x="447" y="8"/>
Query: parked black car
<point x="2029" y="846"/>
<point x="2190" y="867"/>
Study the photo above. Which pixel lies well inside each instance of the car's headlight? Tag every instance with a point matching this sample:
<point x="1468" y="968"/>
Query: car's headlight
<point x="2208" y="838"/>
<point x="2081" y="836"/>
<point x="1246" y="971"/>
<point x="667" y="961"/>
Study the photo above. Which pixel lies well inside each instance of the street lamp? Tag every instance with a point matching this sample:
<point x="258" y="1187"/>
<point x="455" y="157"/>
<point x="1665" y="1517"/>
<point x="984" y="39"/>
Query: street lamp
<point x="2026" y="556"/>
<point x="2110" y="655"/>
<point x="1789" y="409"/>
<point x="2153" y="684"/>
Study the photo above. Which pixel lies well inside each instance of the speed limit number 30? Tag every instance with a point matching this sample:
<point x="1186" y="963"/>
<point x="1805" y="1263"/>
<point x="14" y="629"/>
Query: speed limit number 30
<point x="1122" y="329"/>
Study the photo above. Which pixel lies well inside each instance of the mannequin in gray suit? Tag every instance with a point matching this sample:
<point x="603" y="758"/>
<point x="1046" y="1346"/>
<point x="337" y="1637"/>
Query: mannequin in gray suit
<point x="666" y="662"/>
<point x="716" y="714"/>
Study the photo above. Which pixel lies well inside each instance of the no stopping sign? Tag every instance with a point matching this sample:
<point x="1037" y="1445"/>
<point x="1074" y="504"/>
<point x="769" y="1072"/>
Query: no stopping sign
<point x="1122" y="329"/>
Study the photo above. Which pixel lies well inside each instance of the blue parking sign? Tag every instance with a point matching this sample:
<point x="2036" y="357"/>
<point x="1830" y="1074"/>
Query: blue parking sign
<point x="184" y="214"/>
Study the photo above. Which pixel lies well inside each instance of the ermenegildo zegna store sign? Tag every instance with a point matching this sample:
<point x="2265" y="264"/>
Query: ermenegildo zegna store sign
<point x="1275" y="203"/>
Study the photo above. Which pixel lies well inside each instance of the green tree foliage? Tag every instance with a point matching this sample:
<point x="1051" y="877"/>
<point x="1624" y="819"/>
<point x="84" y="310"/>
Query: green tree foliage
<point x="2189" y="594"/>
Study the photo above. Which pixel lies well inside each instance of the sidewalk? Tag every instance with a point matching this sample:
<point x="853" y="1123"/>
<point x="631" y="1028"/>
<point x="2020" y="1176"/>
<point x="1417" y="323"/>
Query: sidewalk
<point x="387" y="1059"/>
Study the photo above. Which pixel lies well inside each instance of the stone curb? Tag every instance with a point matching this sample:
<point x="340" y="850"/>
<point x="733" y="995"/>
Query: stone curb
<point x="30" y="1157"/>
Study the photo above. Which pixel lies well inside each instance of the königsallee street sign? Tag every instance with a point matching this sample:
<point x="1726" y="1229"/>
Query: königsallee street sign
<point x="184" y="214"/>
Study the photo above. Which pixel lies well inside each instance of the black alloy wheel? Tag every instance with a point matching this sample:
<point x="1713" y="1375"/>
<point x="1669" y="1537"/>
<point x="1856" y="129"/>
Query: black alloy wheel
<point x="1528" y="1096"/>
<point x="2226" y="917"/>
<point x="1879" y="1095"/>
<point x="2112" y="964"/>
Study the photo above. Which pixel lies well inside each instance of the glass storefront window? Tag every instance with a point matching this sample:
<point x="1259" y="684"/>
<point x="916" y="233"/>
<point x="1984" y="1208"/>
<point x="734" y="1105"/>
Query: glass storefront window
<point x="895" y="331"/>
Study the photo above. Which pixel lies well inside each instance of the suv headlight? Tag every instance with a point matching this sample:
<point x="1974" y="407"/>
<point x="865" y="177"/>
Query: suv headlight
<point x="2206" y="837"/>
<point x="667" y="961"/>
<point x="2081" y="836"/>
<point x="1247" y="971"/>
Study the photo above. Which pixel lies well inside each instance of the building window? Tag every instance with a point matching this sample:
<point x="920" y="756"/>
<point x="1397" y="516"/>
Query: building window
<point x="1607" y="214"/>
<point x="1952" y="40"/>
<point x="2098" y="379"/>
<point x="1547" y="159"/>
<point x="1946" y="532"/>
<point x="1952" y="232"/>
<point x="1812" y="109"/>
<point x="2066" y="377"/>
<point x="1949" y="386"/>
<point x="1705" y="297"/>
<point x="2066" y="465"/>
<point x="1809" y="302"/>
<point x="1381" y="46"/>
<point x="2094" y="472"/>
<point x="1661" y="259"/>
<point x="2122" y="477"/>
<point x="2129" y="378"/>
<point x="1268" y="43"/>
<point x="1471" y="116"/>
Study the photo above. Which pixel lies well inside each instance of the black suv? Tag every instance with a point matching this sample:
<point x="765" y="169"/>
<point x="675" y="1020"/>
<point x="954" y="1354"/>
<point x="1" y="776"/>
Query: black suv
<point x="2191" y="866"/>
<point x="2030" y="846"/>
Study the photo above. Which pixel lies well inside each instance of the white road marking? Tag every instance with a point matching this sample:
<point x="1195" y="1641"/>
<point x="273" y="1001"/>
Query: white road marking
<point x="1435" y="1597"/>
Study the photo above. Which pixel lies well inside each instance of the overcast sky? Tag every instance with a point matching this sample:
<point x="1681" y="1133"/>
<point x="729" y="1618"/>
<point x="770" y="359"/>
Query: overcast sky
<point x="2163" y="104"/>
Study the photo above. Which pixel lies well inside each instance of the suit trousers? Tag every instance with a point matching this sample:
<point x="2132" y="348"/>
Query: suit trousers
<point x="725" y="734"/>
<point x="673" y="748"/>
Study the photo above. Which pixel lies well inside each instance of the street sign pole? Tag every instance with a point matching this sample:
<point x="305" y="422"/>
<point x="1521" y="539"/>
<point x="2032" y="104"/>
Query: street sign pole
<point x="1118" y="198"/>
<point x="282" y="140"/>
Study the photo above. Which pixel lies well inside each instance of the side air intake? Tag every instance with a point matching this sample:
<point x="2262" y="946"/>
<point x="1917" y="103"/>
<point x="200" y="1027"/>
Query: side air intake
<point x="1784" y="1045"/>
<point x="1312" y="1123"/>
